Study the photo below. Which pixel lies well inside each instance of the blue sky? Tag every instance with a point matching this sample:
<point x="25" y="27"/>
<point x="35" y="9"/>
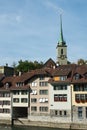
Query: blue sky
<point x="29" y="29"/>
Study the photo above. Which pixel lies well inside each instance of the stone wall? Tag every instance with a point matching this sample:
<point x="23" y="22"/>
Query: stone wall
<point x="50" y="119"/>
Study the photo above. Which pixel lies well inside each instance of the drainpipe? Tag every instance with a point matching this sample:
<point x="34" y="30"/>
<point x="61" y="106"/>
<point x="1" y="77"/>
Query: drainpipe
<point x="12" y="120"/>
<point x="71" y="105"/>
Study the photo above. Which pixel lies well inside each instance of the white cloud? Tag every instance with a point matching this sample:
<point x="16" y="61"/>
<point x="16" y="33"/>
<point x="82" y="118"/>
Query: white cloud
<point x="10" y="18"/>
<point x="54" y="7"/>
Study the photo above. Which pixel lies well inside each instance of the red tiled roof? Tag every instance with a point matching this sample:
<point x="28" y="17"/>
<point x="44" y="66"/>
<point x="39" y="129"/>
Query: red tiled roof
<point x="49" y="64"/>
<point x="23" y="78"/>
<point x="81" y="69"/>
<point x="63" y="70"/>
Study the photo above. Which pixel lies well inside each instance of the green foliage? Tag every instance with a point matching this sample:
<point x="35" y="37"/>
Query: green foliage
<point x="81" y="62"/>
<point x="26" y="65"/>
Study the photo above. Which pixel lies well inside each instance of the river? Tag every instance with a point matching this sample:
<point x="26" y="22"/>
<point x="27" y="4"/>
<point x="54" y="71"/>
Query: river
<point x="27" y="128"/>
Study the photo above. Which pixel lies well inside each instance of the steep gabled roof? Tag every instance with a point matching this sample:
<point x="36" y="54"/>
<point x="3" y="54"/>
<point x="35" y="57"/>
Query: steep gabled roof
<point x="63" y="70"/>
<point x="49" y="64"/>
<point x="24" y="78"/>
<point x="81" y="70"/>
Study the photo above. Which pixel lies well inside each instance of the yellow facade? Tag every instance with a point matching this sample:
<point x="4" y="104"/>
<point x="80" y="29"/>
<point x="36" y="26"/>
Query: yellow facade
<point x="56" y="78"/>
<point x="74" y="103"/>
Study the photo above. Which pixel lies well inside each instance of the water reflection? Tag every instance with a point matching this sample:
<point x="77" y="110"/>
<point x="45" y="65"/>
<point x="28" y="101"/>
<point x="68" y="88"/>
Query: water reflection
<point x="27" y="128"/>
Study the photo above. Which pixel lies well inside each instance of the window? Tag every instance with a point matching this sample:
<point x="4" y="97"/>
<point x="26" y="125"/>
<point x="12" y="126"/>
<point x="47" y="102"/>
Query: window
<point x="60" y="87"/>
<point x="33" y="84"/>
<point x="6" y="110"/>
<point x="86" y="75"/>
<point x="16" y="100"/>
<point x="43" y="92"/>
<point x="1" y="102"/>
<point x="24" y="92"/>
<point x="34" y="108"/>
<point x="42" y="78"/>
<point x="43" y="100"/>
<point x="65" y="113"/>
<point x="60" y="97"/>
<point x="6" y="94"/>
<point x="86" y="112"/>
<point x="1" y="94"/>
<point x="86" y="97"/>
<point x="33" y="100"/>
<point x="60" y="113"/>
<point x="81" y="98"/>
<point x="16" y="92"/>
<point x="56" y="112"/>
<point x="19" y="84"/>
<point x="34" y="92"/>
<point x="77" y="98"/>
<point x="43" y="84"/>
<point x="24" y="100"/>
<point x="62" y="78"/>
<point x="6" y="102"/>
<point x="43" y="109"/>
<point x="79" y="112"/>
<point x="76" y="88"/>
<point x="77" y="76"/>
<point x="1" y="110"/>
<point x="80" y="87"/>
<point x="7" y="85"/>
<point x="61" y="51"/>
<point x="85" y="88"/>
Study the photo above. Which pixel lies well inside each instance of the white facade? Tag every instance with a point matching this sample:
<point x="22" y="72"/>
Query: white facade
<point x="20" y="98"/>
<point x="60" y="105"/>
<point x="60" y="110"/>
<point x="5" y="105"/>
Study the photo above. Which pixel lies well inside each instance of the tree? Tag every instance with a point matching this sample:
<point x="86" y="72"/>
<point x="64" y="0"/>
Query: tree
<point x="81" y="62"/>
<point x="26" y="65"/>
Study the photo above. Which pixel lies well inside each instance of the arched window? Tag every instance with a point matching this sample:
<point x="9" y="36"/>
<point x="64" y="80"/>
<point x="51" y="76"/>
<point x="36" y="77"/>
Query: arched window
<point x="61" y="51"/>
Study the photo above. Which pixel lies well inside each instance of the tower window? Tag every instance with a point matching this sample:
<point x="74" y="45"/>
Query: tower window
<point x="61" y="51"/>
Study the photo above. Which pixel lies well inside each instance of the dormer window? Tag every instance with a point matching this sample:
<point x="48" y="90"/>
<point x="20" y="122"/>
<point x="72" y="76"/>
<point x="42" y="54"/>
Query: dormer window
<point x="62" y="78"/>
<point x="77" y="76"/>
<point x="7" y="85"/>
<point x="86" y="75"/>
<point x="19" y="84"/>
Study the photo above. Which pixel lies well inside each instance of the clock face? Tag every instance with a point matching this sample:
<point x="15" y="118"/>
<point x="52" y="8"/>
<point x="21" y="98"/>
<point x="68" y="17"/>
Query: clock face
<point x="62" y="57"/>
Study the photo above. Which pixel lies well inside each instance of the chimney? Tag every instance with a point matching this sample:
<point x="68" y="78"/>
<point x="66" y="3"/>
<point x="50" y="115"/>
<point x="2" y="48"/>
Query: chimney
<point x="19" y="73"/>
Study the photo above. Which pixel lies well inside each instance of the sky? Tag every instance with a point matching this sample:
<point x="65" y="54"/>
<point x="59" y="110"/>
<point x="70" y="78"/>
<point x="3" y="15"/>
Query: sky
<point x="29" y="29"/>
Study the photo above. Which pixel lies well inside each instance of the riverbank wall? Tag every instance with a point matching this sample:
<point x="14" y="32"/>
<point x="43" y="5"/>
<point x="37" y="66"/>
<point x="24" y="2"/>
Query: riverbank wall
<point x="26" y="122"/>
<point x="68" y="126"/>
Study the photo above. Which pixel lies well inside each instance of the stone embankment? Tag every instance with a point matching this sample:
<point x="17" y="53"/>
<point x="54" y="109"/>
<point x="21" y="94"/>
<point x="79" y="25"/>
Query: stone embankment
<point x="72" y="126"/>
<point x="26" y="122"/>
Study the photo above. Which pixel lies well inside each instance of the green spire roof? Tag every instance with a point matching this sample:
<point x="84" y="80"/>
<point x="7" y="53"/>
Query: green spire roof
<point x="61" y="40"/>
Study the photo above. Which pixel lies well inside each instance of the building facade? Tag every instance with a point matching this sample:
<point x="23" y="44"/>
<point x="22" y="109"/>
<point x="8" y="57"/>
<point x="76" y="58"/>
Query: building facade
<point x="49" y="94"/>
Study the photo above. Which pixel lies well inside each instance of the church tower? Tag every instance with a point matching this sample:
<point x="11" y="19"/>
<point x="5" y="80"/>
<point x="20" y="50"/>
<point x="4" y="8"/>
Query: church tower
<point x="61" y="47"/>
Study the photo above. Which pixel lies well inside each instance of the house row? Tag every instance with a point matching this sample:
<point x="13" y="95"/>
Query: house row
<point x="52" y="93"/>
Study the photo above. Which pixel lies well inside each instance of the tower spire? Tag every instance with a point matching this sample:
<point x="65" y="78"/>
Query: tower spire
<point x="61" y="47"/>
<point x="61" y="39"/>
